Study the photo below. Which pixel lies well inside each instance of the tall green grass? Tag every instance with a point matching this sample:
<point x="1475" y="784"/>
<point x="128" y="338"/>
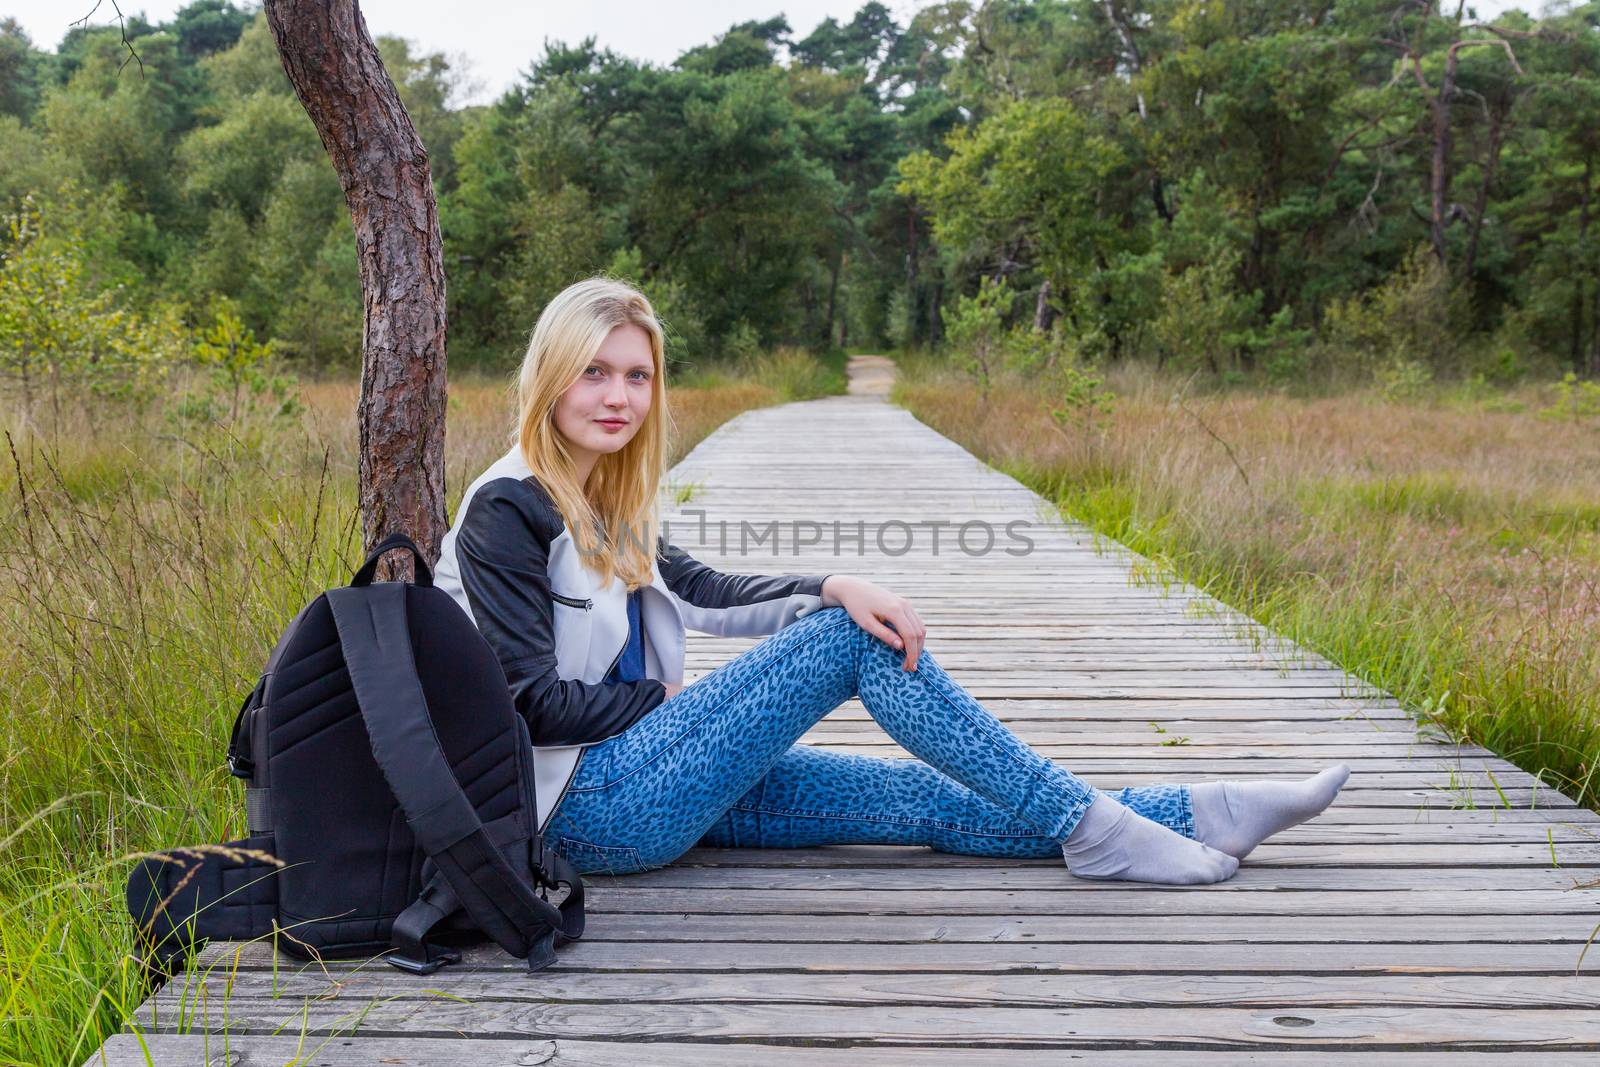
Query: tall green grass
<point x="146" y="567"/>
<point x="787" y="372"/>
<point x="1448" y="554"/>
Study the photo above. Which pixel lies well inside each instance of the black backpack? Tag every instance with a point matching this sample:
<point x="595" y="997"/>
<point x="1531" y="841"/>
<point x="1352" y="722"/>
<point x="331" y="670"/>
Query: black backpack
<point x="391" y="778"/>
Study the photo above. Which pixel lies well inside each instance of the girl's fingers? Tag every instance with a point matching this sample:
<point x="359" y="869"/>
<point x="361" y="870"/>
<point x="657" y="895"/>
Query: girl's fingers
<point x="910" y="638"/>
<point x="899" y="627"/>
<point x="914" y="634"/>
<point x="880" y="631"/>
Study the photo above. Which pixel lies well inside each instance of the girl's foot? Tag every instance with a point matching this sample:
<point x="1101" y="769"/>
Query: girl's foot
<point x="1112" y="841"/>
<point x="1234" y="817"/>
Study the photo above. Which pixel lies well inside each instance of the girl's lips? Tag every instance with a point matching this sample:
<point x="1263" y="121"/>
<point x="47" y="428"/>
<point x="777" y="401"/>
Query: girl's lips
<point x="612" y="424"/>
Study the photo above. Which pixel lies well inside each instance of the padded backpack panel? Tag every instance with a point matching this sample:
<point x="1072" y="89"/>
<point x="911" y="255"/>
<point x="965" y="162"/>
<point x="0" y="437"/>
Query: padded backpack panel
<point x="357" y="863"/>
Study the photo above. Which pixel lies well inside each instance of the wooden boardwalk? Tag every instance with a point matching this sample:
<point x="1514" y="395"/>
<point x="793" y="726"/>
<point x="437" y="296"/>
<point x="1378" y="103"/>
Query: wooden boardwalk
<point x="1431" y="916"/>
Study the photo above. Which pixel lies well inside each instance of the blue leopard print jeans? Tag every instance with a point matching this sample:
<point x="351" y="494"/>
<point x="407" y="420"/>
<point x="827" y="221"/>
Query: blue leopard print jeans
<point x="717" y="765"/>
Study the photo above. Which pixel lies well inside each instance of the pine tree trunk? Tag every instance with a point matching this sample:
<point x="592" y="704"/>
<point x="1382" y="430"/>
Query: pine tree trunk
<point x="1491" y="166"/>
<point x="382" y="165"/>
<point x="1575" y="352"/>
<point x="1439" y="178"/>
<point x="833" y="294"/>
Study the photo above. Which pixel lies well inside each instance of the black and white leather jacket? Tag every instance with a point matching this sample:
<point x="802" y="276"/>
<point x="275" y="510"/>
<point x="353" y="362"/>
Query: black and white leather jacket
<point x="510" y="562"/>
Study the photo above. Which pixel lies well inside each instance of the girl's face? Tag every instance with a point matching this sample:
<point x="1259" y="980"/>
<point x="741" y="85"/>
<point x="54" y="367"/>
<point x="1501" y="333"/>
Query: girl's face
<point x="604" y="408"/>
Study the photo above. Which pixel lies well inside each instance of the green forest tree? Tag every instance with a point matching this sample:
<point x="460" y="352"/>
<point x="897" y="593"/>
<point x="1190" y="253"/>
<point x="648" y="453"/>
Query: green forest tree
<point x="1260" y="163"/>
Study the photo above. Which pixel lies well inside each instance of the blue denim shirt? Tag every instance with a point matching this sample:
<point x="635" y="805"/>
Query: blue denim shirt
<point x="630" y="665"/>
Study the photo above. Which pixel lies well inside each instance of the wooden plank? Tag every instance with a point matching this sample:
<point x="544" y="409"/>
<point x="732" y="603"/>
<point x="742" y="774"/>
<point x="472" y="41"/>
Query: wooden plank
<point x="164" y="1050"/>
<point x="1298" y="957"/>
<point x="1158" y="756"/>
<point x="1087" y="746"/>
<point x="1439" y="904"/>
<point x="1220" y="931"/>
<point x="939" y="872"/>
<point x="378" y="980"/>
<point x="1268" y="854"/>
<point x="1299" y="1027"/>
<point x="1166" y="729"/>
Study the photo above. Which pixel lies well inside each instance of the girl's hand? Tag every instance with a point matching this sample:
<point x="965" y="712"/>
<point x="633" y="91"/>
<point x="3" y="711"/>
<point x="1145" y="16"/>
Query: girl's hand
<point x="673" y="689"/>
<point x="872" y="607"/>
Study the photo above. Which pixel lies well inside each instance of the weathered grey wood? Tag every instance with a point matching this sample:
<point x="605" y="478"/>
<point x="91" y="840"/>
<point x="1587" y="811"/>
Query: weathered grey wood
<point x="1222" y="931"/>
<point x="1268" y="853"/>
<point x="1441" y="904"/>
<point x="618" y="897"/>
<point x="1300" y="957"/>
<point x="935" y="874"/>
<point x="1298" y="1027"/>
<point x="353" y="985"/>
<point x="166" y="1050"/>
<point x="1434" y="905"/>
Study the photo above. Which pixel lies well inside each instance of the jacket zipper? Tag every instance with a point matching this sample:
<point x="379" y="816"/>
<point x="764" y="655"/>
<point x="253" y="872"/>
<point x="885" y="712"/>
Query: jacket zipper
<point x="615" y="660"/>
<point x="586" y="605"/>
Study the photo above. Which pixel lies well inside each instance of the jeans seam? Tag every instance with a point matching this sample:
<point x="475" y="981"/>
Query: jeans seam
<point x="1033" y="772"/>
<point x="899" y="820"/>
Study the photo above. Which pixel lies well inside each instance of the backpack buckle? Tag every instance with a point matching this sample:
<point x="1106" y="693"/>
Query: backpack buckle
<point x="544" y="868"/>
<point x="434" y="957"/>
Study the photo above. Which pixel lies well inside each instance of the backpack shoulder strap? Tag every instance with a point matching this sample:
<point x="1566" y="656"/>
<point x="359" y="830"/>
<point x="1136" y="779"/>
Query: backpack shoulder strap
<point x="376" y="642"/>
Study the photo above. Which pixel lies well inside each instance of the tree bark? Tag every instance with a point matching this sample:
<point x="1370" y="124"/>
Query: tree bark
<point x="383" y="167"/>
<point x="1491" y="164"/>
<point x="833" y="293"/>
<point x="1041" y="307"/>
<point x="1439" y="179"/>
<point x="1576" y="343"/>
<point x="1594" y="335"/>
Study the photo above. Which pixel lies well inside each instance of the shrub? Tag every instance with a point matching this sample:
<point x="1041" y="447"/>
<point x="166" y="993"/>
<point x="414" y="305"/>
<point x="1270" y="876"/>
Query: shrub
<point x="1414" y="317"/>
<point x="1203" y="320"/>
<point x="794" y="373"/>
<point x="1576" y="400"/>
<point x="899" y="325"/>
<point x="974" y="329"/>
<point x="241" y="368"/>
<point x="57" y="331"/>
<point x="1403" y="379"/>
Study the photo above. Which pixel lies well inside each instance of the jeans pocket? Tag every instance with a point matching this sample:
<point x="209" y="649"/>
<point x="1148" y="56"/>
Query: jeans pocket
<point x="600" y="859"/>
<point x="593" y="770"/>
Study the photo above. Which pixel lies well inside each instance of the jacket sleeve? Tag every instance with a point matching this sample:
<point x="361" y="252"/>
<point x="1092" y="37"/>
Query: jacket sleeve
<point x="736" y="605"/>
<point x="502" y="550"/>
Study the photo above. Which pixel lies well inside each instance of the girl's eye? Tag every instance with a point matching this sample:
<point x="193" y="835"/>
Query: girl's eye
<point x="644" y="376"/>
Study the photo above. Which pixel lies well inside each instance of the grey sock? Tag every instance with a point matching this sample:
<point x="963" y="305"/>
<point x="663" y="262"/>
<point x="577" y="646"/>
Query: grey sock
<point x="1236" y="816"/>
<point x="1112" y="841"/>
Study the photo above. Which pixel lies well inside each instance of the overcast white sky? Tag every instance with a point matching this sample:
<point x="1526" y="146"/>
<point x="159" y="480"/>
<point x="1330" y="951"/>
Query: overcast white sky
<point x="496" y="38"/>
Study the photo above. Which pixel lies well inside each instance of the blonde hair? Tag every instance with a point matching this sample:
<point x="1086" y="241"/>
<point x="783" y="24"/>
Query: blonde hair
<point x="613" y="521"/>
